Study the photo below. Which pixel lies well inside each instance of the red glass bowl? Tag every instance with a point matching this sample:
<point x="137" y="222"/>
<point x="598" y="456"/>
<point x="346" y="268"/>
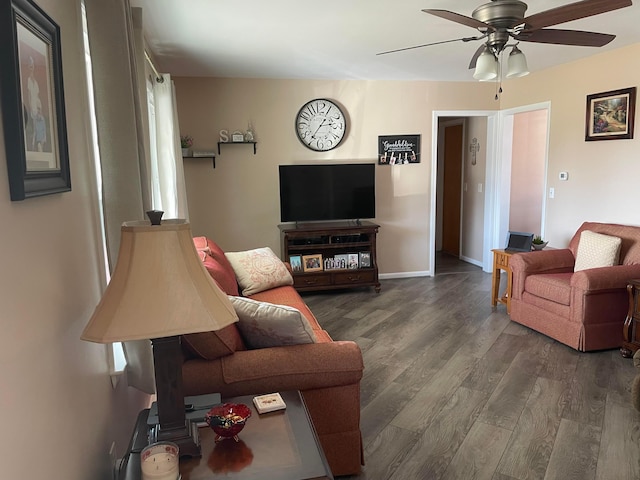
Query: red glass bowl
<point x="227" y="420"/>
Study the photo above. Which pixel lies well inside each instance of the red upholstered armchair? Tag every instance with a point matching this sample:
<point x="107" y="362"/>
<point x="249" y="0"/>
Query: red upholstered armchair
<point x="585" y="309"/>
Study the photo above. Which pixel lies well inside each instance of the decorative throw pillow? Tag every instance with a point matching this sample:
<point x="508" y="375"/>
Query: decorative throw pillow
<point x="596" y="250"/>
<point x="264" y="325"/>
<point x="258" y="270"/>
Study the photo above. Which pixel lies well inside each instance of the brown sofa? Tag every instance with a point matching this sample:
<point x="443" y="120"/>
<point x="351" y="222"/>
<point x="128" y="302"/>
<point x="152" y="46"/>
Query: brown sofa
<point x="327" y="373"/>
<point x="585" y="309"/>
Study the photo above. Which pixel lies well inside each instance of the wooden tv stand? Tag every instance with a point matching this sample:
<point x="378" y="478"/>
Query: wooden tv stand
<point x="330" y="243"/>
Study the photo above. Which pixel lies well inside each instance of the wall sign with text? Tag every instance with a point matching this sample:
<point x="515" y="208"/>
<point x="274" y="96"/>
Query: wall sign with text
<point x="398" y="149"/>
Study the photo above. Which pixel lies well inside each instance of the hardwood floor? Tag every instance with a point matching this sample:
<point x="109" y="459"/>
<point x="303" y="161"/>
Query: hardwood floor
<point x="453" y="389"/>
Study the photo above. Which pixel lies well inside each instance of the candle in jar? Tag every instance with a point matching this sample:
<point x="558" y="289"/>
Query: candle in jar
<point x="160" y="461"/>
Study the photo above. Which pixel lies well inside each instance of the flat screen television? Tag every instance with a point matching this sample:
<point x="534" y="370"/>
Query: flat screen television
<point x="343" y="191"/>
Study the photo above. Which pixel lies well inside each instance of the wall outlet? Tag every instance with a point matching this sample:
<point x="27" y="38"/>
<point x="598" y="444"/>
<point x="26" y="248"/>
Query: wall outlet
<point x="564" y="176"/>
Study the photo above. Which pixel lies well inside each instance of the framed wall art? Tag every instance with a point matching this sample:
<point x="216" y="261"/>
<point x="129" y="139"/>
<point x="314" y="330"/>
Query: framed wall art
<point x="610" y="115"/>
<point x="398" y="149"/>
<point x="33" y="111"/>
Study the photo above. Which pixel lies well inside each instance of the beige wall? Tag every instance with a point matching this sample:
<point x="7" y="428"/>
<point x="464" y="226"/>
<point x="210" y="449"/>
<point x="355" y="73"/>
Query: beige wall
<point x="603" y="175"/>
<point x="59" y="412"/>
<point x="473" y="200"/>
<point x="237" y="204"/>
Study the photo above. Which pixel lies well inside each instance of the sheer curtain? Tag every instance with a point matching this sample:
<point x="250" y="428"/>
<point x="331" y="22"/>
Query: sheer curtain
<point x="128" y="182"/>
<point x="168" y="191"/>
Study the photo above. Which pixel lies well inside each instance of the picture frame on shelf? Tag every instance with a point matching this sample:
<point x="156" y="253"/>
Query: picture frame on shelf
<point x="312" y="263"/>
<point x="352" y="260"/>
<point x="237" y="136"/>
<point x="364" y="259"/>
<point x="296" y="263"/>
<point x="33" y="107"/>
<point x="341" y="261"/>
<point x="610" y="115"/>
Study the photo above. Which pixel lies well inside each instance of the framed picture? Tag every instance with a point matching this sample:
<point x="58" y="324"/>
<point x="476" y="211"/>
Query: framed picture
<point x="312" y="263"/>
<point x="398" y="149"/>
<point x="237" y="136"/>
<point x="296" y="263"/>
<point x="352" y="260"/>
<point x="610" y="115"/>
<point x="365" y="259"/>
<point x="32" y="101"/>
<point x="341" y="261"/>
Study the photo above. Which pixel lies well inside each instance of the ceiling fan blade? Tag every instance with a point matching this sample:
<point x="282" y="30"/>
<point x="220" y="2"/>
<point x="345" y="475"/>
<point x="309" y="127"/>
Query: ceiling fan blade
<point x="566" y="37"/>
<point x="456" y="17"/>
<point x="465" y="39"/>
<point x="573" y="11"/>
<point x="474" y="59"/>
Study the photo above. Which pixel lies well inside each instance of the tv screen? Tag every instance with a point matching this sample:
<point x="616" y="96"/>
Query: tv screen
<point x="327" y="192"/>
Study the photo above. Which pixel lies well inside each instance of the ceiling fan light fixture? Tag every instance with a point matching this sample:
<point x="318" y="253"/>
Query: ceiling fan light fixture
<point x="486" y="66"/>
<point x="517" y="64"/>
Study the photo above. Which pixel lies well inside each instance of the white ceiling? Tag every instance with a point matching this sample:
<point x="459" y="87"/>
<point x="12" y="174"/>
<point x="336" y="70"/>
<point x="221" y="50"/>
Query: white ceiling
<point x="339" y="39"/>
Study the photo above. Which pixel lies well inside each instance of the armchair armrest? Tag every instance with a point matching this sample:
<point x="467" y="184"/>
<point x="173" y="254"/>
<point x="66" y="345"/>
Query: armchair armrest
<point x="296" y="367"/>
<point x="605" y="278"/>
<point x="544" y="261"/>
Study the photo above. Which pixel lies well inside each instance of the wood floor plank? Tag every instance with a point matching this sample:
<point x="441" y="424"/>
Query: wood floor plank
<point x="585" y="400"/>
<point x="510" y="396"/>
<point x="429" y="400"/>
<point x="486" y="335"/>
<point x="431" y="455"/>
<point x="619" y="455"/>
<point x="530" y="446"/>
<point x="575" y="454"/>
<point x="477" y="457"/>
<point x="388" y="452"/>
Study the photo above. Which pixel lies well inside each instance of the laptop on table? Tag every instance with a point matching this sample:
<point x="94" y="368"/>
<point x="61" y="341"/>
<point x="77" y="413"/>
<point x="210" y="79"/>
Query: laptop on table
<point x="519" y="242"/>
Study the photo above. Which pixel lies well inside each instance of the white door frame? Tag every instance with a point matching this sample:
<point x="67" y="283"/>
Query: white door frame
<point x="504" y="172"/>
<point x="497" y="176"/>
<point x="490" y="184"/>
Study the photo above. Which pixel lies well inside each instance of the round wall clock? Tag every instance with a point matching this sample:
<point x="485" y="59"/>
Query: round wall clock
<point x="320" y="125"/>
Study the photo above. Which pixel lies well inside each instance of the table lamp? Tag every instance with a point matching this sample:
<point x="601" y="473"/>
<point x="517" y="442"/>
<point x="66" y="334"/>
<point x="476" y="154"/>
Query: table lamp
<point x="160" y="290"/>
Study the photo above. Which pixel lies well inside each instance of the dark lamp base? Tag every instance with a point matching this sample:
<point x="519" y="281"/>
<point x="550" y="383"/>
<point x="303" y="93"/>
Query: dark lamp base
<point x="187" y="438"/>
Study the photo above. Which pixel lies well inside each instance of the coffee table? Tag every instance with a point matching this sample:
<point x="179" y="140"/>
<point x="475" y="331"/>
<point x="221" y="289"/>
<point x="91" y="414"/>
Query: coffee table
<point x="280" y="445"/>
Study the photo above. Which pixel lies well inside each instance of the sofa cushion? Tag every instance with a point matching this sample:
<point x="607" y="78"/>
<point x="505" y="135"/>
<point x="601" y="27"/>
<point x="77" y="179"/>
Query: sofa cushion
<point x="555" y="287"/>
<point x="217" y="265"/>
<point x="258" y="270"/>
<point x="212" y="345"/>
<point x="597" y="250"/>
<point x="266" y="325"/>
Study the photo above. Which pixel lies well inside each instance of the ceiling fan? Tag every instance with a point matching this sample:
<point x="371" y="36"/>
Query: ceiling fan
<point x="501" y="20"/>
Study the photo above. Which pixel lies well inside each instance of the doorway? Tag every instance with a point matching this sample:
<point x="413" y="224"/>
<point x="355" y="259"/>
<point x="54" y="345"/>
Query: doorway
<point x="496" y="174"/>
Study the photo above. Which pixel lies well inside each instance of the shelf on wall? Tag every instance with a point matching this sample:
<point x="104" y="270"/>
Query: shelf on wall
<point x="212" y="157"/>
<point x="238" y="143"/>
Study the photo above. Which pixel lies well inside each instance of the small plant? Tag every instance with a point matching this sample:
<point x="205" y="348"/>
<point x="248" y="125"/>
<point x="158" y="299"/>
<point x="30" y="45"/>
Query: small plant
<point x="537" y="240"/>
<point x="186" y="141"/>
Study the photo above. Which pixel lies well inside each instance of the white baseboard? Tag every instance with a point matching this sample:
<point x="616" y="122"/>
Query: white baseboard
<point x="387" y="276"/>
<point x="472" y="261"/>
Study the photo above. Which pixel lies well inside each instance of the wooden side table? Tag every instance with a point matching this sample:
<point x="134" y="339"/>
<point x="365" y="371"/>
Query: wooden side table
<point x="280" y="445"/>
<point x="630" y="330"/>
<point x="501" y="262"/>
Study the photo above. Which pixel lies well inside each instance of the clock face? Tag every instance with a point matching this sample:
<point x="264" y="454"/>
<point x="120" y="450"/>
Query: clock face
<point x="320" y="125"/>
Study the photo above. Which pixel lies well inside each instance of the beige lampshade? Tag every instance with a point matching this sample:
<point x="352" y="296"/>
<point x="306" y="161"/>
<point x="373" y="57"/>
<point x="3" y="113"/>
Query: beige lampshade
<point x="159" y="288"/>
